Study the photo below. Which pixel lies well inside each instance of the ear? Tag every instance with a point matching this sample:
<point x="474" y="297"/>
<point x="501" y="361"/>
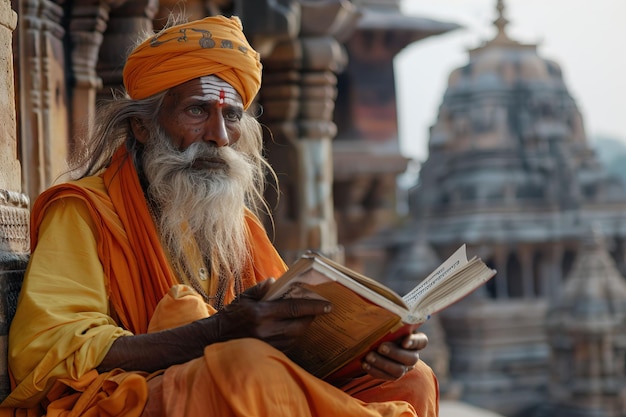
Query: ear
<point x="139" y="130"/>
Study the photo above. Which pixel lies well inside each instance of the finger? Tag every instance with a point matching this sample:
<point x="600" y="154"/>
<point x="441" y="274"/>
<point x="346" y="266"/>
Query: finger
<point x="291" y="309"/>
<point x="398" y="354"/>
<point x="415" y="341"/>
<point x="257" y="291"/>
<point x="380" y="367"/>
<point x="289" y="329"/>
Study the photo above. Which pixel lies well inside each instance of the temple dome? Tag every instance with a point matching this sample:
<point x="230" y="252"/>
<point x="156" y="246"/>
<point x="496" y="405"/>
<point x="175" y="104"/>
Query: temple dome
<point x="503" y="61"/>
<point x="506" y="96"/>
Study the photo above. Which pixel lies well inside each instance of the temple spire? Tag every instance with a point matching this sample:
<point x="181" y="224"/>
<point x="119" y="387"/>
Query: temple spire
<point x="500" y="23"/>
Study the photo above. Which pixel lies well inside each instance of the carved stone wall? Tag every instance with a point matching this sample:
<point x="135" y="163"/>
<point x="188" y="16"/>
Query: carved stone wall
<point x="298" y="98"/>
<point x="14" y="215"/>
<point x="42" y="88"/>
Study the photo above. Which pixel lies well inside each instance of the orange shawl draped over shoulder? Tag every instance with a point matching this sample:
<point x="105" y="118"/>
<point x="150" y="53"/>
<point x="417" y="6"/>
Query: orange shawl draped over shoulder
<point x="138" y="271"/>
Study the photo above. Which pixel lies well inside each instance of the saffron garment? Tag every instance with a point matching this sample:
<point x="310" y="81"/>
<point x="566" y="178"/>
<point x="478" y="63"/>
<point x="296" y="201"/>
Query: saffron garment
<point x="97" y="272"/>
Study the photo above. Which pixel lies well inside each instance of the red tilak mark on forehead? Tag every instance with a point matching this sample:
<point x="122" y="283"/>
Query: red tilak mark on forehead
<point x="222" y="97"/>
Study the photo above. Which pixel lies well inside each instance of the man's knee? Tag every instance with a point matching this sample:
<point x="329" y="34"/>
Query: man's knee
<point x="422" y="389"/>
<point x="242" y="354"/>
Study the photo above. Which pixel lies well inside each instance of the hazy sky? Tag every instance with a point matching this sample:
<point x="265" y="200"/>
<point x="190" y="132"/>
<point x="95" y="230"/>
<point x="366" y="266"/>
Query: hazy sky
<point x="586" y="37"/>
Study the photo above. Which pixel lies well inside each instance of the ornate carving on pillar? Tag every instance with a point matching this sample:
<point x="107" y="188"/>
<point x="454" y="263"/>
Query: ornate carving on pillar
<point x="126" y="23"/>
<point x="42" y="92"/>
<point x="14" y="221"/>
<point x="14" y="215"/>
<point x="9" y="166"/>
<point x="88" y="22"/>
<point x="298" y="95"/>
<point x="14" y="246"/>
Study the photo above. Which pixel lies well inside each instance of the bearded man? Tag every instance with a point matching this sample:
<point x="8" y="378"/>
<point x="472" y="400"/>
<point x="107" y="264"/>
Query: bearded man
<point x="143" y="293"/>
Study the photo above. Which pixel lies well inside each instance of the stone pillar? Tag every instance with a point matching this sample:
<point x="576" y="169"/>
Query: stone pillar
<point x="43" y="94"/>
<point x="87" y="25"/>
<point x="301" y="152"/>
<point x="297" y="97"/>
<point x="14" y="215"/>
<point x="500" y="255"/>
<point x="555" y="279"/>
<point x="125" y="24"/>
<point x="526" y="260"/>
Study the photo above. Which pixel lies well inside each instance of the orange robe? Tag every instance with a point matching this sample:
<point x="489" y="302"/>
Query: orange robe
<point x="53" y="363"/>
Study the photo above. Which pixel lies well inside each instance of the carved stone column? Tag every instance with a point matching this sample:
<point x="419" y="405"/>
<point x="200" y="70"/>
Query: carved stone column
<point x="298" y="97"/>
<point x="87" y="25"/>
<point x="126" y="22"/>
<point x="501" y="255"/>
<point x="525" y="253"/>
<point x="14" y="214"/>
<point x="43" y="95"/>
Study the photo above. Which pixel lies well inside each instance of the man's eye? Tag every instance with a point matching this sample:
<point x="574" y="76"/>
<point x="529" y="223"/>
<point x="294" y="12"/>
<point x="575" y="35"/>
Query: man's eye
<point x="233" y="116"/>
<point x="195" y="110"/>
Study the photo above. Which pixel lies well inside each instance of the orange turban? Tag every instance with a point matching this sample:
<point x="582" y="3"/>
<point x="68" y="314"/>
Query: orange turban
<point x="212" y="46"/>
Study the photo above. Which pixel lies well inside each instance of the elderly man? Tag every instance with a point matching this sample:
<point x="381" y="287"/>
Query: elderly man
<point x="143" y="294"/>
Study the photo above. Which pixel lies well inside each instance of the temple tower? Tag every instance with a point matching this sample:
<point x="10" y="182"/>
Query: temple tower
<point x="366" y="151"/>
<point x="510" y="173"/>
<point x="587" y="334"/>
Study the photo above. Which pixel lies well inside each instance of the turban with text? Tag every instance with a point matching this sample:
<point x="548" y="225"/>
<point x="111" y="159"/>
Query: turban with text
<point x="214" y="45"/>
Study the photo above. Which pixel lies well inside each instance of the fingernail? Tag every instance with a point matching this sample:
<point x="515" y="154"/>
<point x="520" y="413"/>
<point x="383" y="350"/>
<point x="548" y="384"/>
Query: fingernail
<point x="366" y="366"/>
<point x="384" y="349"/>
<point x="371" y="358"/>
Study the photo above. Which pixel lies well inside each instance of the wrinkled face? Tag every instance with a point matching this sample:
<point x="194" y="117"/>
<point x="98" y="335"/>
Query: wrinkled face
<point x="195" y="177"/>
<point x="205" y="109"/>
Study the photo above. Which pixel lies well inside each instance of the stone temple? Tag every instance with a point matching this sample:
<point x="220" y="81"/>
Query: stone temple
<point x="511" y="174"/>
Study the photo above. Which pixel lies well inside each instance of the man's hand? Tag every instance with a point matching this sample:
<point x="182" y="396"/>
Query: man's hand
<point x="394" y="359"/>
<point x="279" y="323"/>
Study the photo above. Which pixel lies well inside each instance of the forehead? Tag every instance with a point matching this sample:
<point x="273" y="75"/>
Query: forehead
<point x="209" y="88"/>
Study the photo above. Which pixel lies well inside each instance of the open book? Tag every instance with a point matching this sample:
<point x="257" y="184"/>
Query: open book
<point x="365" y="312"/>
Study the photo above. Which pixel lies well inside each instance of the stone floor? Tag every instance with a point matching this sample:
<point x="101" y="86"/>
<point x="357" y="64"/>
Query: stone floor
<point x="449" y="408"/>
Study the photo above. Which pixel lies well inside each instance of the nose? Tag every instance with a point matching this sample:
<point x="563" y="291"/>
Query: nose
<point x="215" y="130"/>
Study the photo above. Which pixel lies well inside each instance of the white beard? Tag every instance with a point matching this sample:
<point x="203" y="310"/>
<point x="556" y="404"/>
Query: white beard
<point x="204" y="188"/>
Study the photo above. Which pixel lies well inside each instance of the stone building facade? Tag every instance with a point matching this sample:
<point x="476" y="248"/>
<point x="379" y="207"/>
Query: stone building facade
<point x="510" y="173"/>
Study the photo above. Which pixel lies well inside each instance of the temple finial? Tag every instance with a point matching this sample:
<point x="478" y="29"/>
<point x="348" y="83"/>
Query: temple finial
<point x="501" y="22"/>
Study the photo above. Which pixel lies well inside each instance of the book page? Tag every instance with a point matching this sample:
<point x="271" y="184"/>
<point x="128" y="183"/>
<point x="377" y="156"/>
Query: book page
<point x="471" y="276"/>
<point x="334" y="339"/>
<point x="457" y="260"/>
<point x="370" y="283"/>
